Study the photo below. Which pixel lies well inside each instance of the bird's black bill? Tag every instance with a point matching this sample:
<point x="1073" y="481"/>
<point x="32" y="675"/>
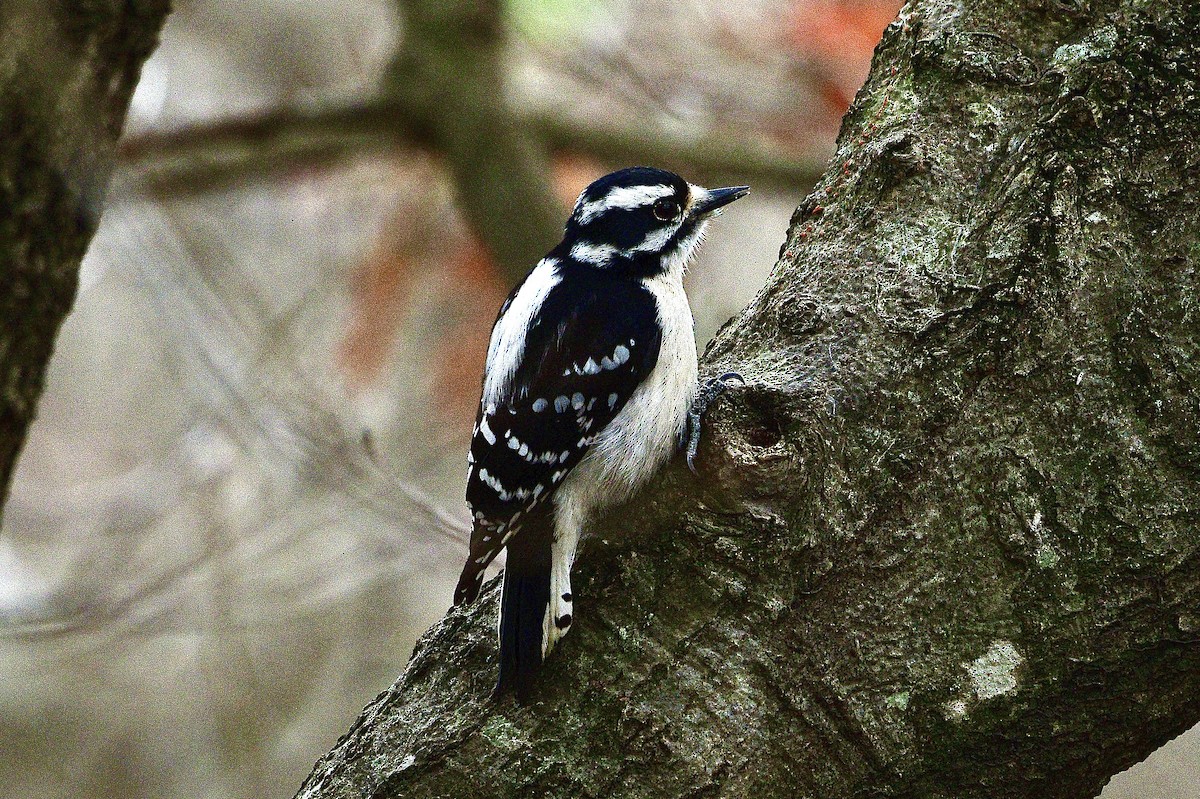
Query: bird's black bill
<point x="718" y="198"/>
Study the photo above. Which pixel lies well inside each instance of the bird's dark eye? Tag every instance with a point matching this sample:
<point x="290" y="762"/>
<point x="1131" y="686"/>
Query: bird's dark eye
<point x="665" y="209"/>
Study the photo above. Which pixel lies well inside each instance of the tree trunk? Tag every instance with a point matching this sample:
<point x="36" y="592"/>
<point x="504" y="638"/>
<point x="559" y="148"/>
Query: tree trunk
<point x="945" y="542"/>
<point x="67" y="71"/>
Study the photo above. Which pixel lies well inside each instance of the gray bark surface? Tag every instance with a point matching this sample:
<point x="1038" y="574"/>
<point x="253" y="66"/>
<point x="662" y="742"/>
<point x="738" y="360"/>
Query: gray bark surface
<point x="67" y="72"/>
<point x="945" y="542"/>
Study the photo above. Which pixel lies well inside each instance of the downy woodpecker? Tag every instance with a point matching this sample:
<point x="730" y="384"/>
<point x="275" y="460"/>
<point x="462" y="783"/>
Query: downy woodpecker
<point x="590" y="386"/>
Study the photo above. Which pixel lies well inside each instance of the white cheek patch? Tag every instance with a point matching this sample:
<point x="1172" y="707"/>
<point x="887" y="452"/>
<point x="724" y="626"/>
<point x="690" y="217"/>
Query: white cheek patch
<point x="594" y="254"/>
<point x="620" y="197"/>
<point x="656" y="240"/>
<point x="677" y="262"/>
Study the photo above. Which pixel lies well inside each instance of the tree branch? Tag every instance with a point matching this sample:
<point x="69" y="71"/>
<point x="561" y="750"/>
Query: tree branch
<point x="205" y="155"/>
<point x="946" y="542"/>
<point x="445" y="90"/>
<point x="450" y="68"/>
<point x="201" y="156"/>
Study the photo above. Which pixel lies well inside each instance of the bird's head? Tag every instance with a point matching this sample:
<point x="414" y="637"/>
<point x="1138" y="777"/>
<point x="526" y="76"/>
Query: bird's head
<point x="641" y="220"/>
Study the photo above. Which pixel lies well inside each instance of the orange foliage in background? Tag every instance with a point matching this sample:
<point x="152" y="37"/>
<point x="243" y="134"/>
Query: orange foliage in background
<point x="478" y="291"/>
<point x="838" y="37"/>
<point x="379" y="293"/>
<point x="382" y="290"/>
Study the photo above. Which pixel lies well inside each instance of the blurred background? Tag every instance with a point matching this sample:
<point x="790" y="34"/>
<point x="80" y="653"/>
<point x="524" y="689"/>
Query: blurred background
<point x="242" y="500"/>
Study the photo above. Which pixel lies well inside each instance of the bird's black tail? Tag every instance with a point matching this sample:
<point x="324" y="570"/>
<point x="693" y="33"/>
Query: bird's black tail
<point x="524" y="603"/>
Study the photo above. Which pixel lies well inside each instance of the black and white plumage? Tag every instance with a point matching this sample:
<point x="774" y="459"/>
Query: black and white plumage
<point x="591" y="373"/>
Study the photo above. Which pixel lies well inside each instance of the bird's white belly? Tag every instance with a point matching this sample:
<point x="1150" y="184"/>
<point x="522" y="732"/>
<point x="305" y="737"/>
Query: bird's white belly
<point x="642" y="437"/>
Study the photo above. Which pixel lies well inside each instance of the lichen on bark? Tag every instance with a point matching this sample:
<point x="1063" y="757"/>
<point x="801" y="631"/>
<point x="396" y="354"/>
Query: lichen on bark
<point x="945" y="542"/>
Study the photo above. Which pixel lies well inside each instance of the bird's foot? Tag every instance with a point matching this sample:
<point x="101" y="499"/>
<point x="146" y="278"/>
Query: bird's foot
<point x="707" y="394"/>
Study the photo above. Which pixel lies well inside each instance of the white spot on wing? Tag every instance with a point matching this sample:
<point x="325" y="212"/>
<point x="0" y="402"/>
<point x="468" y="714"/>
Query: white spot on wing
<point x="493" y="483"/>
<point x="539" y="405"/>
<point x="488" y="435"/>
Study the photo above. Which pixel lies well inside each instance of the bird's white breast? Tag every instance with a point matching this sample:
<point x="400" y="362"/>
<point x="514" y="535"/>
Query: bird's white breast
<point x="647" y="430"/>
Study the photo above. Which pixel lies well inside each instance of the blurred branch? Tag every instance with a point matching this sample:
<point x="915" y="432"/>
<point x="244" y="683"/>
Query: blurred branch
<point x="451" y="71"/>
<point x="207" y="155"/>
<point x="711" y="156"/>
<point x="445" y="92"/>
<point x="203" y="156"/>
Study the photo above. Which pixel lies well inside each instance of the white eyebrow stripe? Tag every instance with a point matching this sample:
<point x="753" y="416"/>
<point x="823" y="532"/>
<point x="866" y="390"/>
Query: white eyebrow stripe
<point x="622" y="197"/>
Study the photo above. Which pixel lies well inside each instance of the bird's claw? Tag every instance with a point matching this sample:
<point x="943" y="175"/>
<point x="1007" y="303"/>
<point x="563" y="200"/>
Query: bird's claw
<point x="704" y="397"/>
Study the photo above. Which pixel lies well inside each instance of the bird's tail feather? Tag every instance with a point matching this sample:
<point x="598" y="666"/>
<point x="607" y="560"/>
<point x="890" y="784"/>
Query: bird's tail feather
<point x="524" y="605"/>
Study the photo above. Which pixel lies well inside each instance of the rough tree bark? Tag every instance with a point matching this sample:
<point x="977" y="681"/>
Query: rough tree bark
<point x="946" y="541"/>
<point x="67" y="71"/>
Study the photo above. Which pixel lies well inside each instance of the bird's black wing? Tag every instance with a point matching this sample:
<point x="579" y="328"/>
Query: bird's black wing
<point x="588" y="348"/>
